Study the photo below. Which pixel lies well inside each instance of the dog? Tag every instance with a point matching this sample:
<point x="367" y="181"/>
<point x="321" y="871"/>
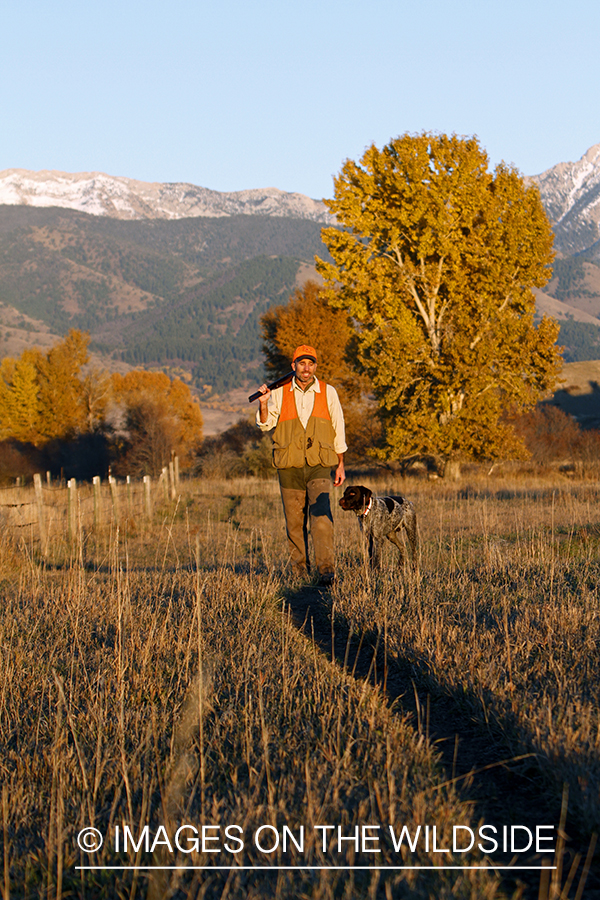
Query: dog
<point x="382" y="517"/>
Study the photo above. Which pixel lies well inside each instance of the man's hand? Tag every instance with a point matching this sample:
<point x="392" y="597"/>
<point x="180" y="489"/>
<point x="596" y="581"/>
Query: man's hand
<point x="264" y="402"/>
<point x="340" y="472"/>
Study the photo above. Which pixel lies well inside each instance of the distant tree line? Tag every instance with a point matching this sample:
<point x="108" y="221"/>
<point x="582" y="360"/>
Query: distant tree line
<point x="580" y="340"/>
<point x="57" y="415"/>
<point x="569" y="275"/>
<point x="169" y="292"/>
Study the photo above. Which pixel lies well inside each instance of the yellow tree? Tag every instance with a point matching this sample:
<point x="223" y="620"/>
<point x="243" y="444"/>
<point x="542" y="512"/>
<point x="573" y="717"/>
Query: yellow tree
<point x="161" y="418"/>
<point x="435" y="263"/>
<point x="41" y="394"/>
<point x="96" y="391"/>
<point x="308" y="319"/>
<point x="61" y="396"/>
<point x="20" y="408"/>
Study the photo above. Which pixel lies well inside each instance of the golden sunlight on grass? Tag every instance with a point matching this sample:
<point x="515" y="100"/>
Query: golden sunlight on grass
<point x="168" y="671"/>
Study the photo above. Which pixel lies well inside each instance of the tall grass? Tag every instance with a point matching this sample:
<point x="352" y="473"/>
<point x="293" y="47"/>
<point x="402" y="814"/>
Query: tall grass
<point x="153" y="675"/>
<point x="159" y="681"/>
<point x="503" y="619"/>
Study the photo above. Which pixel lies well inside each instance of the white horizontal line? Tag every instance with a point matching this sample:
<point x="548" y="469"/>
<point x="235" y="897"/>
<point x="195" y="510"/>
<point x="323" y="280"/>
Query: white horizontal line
<point x="310" y="868"/>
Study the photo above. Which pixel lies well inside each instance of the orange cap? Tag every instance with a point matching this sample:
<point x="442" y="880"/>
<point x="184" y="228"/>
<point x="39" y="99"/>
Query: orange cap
<point x="304" y="352"/>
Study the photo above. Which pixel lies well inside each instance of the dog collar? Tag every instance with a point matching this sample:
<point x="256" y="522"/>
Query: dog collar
<point x="363" y="515"/>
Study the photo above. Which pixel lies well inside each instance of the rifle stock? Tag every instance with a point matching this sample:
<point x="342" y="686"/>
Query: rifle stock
<point x="275" y="384"/>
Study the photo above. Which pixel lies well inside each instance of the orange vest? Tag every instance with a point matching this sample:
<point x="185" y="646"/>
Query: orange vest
<point x="293" y="445"/>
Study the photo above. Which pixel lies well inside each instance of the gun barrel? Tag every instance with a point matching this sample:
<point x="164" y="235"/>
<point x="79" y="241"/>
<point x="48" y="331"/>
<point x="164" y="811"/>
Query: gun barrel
<point x="275" y="384"/>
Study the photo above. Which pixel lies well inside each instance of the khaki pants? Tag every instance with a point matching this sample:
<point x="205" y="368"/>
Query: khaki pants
<point x="302" y="507"/>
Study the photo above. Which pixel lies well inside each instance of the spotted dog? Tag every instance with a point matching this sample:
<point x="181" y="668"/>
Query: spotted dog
<point x="382" y="517"/>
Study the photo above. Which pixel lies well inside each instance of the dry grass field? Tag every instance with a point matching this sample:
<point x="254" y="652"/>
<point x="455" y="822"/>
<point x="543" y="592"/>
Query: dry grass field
<point x="166" y="670"/>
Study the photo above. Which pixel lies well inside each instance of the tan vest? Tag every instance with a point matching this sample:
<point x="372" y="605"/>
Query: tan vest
<point x="293" y="445"/>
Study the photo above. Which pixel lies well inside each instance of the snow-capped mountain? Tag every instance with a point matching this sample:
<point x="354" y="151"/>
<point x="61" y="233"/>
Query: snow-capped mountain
<point x="125" y="198"/>
<point x="570" y="194"/>
<point x="571" y="197"/>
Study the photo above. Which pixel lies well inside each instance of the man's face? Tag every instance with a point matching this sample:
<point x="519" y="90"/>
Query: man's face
<point x="305" y="370"/>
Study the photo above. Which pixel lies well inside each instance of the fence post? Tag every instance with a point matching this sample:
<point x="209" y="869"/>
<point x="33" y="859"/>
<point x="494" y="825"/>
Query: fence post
<point x="97" y="482"/>
<point x="72" y="508"/>
<point x="128" y="495"/>
<point x="115" y="500"/>
<point x="172" y="480"/>
<point x="176" y="471"/>
<point x="164" y="477"/>
<point x="147" y="496"/>
<point x="39" y="499"/>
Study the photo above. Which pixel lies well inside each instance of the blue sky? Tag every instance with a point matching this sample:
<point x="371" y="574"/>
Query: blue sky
<point x="232" y="95"/>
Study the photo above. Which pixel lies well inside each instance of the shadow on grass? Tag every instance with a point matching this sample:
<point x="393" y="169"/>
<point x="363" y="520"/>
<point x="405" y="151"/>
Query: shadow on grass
<point x="486" y="762"/>
<point x="532" y="495"/>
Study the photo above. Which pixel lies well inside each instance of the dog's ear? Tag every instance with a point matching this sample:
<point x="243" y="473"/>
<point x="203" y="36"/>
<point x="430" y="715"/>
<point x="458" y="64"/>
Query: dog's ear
<point x="365" y="494"/>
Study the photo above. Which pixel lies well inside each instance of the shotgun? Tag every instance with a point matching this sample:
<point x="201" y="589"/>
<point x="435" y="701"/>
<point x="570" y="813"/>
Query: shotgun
<point x="275" y="384"/>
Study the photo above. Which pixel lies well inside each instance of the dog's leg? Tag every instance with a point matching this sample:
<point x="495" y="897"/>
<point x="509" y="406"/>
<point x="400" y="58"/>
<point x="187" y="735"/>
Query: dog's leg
<point x="395" y="538"/>
<point x="410" y="524"/>
<point x="374" y="552"/>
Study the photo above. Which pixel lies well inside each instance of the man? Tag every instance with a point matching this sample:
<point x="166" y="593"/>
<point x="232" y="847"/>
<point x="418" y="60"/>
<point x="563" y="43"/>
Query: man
<point x="309" y="440"/>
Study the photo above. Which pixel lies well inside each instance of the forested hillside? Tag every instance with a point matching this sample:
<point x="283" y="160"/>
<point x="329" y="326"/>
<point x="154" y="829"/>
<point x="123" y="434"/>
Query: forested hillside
<point x="156" y="292"/>
<point x="576" y="281"/>
<point x="189" y="293"/>
<point x="214" y="326"/>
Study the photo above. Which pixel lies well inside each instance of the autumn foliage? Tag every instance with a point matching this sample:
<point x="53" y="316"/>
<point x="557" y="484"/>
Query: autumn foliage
<point x="161" y="418"/>
<point x="51" y="404"/>
<point x="307" y="319"/>
<point x="42" y="394"/>
<point x="553" y="437"/>
<point x="435" y="263"/>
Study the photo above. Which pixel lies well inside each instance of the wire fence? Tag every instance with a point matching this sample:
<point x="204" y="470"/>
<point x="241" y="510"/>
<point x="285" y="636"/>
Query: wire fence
<point x="46" y="509"/>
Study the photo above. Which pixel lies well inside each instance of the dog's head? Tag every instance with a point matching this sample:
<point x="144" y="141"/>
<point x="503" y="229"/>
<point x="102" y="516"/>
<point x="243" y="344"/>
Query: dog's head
<point x="356" y="498"/>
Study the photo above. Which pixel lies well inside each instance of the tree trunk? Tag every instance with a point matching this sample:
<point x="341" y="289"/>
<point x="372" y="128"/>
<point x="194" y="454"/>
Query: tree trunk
<point x="452" y="469"/>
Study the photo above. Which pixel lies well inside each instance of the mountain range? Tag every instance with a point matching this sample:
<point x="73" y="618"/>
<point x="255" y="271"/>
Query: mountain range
<point x="177" y="276"/>
<point x="124" y="198"/>
<point x="183" y="294"/>
<point x="570" y="193"/>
